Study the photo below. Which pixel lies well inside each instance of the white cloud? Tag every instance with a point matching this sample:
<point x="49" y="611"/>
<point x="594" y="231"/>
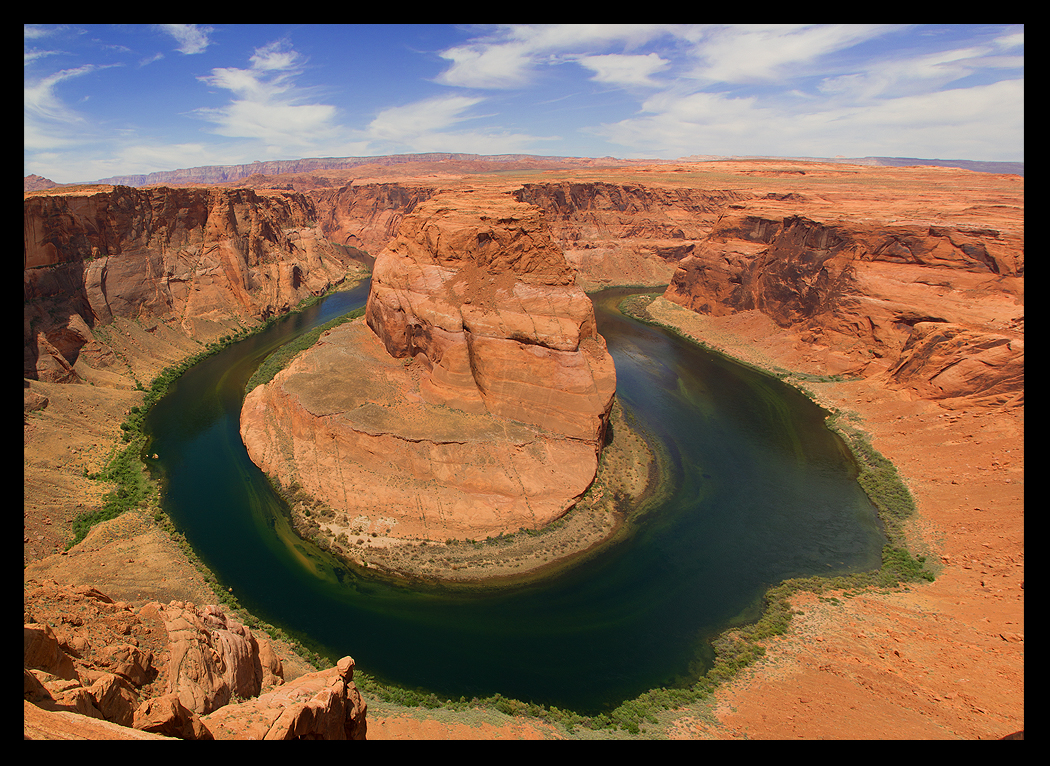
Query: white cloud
<point x="511" y="56"/>
<point x="269" y="106"/>
<point x="424" y="126"/>
<point x="403" y="123"/>
<point x="756" y="53"/>
<point x="914" y="75"/>
<point x="275" y="56"/>
<point x="41" y="102"/>
<point x="623" y="69"/>
<point x="480" y="66"/>
<point x="192" y="38"/>
<point x="31" y="55"/>
<point x="982" y="122"/>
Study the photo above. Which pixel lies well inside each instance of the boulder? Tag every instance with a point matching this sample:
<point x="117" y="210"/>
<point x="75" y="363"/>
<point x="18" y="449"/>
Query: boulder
<point x="322" y="705"/>
<point x="168" y="716"/>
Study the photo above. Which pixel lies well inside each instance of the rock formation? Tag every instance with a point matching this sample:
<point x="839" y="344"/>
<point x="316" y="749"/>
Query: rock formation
<point x="473" y="402"/>
<point x="219" y="174"/>
<point x="163" y="668"/>
<point x="322" y="705"/>
<point x="627" y="234"/>
<point x="203" y="260"/>
<point x="919" y="299"/>
<point x="366" y="216"/>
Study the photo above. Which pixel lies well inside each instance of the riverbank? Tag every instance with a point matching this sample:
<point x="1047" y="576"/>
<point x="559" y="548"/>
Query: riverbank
<point x="931" y="660"/>
<point x="628" y="474"/>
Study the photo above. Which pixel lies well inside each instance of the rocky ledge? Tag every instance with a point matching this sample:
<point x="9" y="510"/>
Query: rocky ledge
<point x="175" y="670"/>
<point x="472" y="400"/>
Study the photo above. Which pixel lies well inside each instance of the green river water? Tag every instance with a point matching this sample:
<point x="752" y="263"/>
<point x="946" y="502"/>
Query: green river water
<point x="761" y="491"/>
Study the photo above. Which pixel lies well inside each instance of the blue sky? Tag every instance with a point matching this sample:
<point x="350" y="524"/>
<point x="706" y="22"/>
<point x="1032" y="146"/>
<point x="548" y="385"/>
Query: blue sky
<point x="107" y="100"/>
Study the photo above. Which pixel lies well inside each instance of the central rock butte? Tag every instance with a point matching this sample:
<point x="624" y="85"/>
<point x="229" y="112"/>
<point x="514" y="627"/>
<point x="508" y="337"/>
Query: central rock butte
<point x="472" y="400"/>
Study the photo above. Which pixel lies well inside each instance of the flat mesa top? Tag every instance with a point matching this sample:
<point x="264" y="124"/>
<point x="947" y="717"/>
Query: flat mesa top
<point x="328" y="382"/>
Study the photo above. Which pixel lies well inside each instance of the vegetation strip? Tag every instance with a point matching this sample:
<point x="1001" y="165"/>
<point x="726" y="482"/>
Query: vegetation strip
<point x="125" y="468"/>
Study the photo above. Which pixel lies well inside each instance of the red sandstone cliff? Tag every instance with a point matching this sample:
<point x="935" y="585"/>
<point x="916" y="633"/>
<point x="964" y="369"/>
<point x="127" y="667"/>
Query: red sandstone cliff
<point x="366" y="216"/>
<point x="487" y="391"/>
<point x="914" y="300"/>
<point x="617" y="234"/>
<point x="204" y="260"/>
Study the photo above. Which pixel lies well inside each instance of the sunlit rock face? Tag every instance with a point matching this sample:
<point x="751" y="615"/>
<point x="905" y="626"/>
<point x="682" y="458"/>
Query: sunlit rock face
<point x="937" y="309"/>
<point x="200" y="259"/>
<point x="472" y="399"/>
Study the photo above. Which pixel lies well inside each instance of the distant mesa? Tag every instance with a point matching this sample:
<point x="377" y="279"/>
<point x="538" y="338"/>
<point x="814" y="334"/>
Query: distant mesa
<point x="221" y="174"/>
<point x="37" y="183"/>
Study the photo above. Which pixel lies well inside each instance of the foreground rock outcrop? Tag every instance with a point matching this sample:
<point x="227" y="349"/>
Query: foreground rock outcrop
<point x="175" y="669"/>
<point x="474" y="400"/>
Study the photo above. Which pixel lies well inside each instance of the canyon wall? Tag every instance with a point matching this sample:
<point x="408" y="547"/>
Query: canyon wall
<point x="202" y="261"/>
<point x="488" y="389"/>
<point x="610" y="233"/>
<point x="626" y="234"/>
<point x="938" y="309"/>
<point x="366" y="216"/>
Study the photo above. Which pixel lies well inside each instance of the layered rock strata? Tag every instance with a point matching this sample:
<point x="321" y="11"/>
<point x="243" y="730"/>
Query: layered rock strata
<point x="366" y="216"/>
<point x="473" y="399"/>
<point x="940" y="308"/>
<point x="203" y="260"/>
<point x="616" y="234"/>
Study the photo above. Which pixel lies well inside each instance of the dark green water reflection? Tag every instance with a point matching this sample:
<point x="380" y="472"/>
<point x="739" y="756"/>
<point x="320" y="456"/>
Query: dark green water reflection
<point x="761" y="491"/>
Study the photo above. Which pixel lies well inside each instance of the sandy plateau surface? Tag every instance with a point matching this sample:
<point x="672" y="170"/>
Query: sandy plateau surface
<point x="939" y="660"/>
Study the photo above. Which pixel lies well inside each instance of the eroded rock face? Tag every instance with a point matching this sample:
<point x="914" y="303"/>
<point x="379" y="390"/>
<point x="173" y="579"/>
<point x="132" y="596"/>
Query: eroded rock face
<point x="366" y="216"/>
<point x="475" y="399"/>
<point x="211" y="658"/>
<point x="632" y="234"/>
<point x="948" y="361"/>
<point x="324" y="705"/>
<point x="873" y="294"/>
<point x="200" y="258"/>
<point x="162" y="667"/>
<point x="476" y="290"/>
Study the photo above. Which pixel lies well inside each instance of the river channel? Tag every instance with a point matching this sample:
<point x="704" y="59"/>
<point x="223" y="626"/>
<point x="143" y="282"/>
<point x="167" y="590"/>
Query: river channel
<point x="761" y="490"/>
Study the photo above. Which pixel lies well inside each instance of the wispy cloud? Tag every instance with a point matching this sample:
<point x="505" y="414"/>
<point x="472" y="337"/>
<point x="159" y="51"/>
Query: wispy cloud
<point x="428" y="126"/>
<point x="41" y="103"/>
<point x="770" y="53"/>
<point x="956" y="122"/>
<point x="511" y="56"/>
<point x="267" y="105"/>
<point x="192" y="38"/>
<point x="623" y="69"/>
<point x="403" y="123"/>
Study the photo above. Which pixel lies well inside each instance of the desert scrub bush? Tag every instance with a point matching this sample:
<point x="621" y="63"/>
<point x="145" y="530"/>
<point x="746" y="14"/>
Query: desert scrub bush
<point x="132" y="490"/>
